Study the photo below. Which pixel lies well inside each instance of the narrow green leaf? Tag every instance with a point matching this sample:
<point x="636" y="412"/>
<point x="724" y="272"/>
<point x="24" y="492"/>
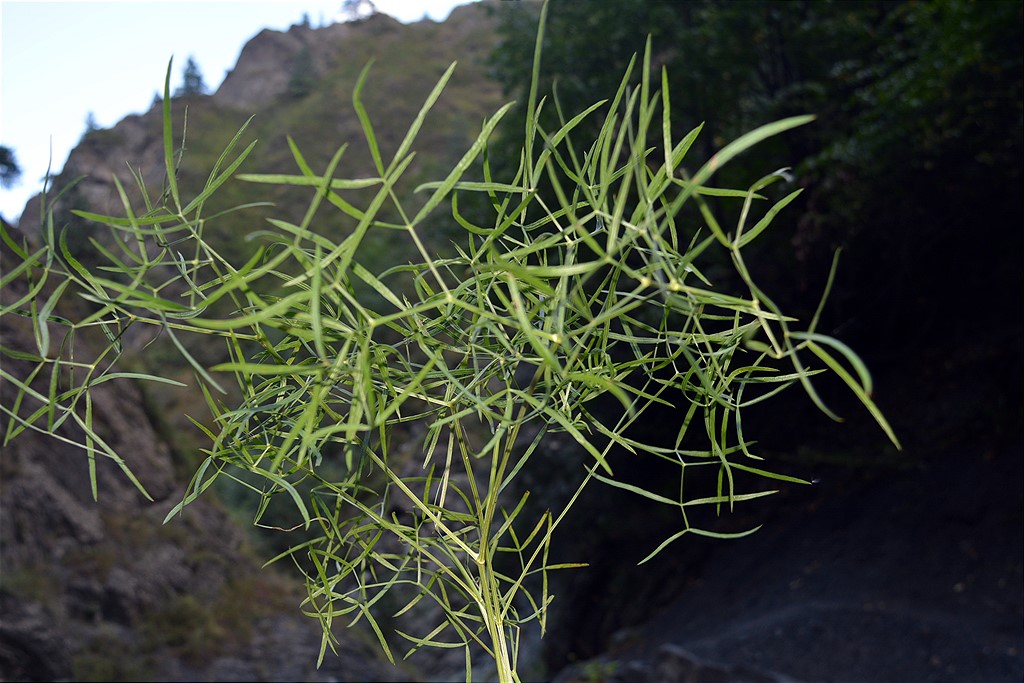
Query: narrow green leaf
<point x="169" y="165"/>
<point x="745" y="142"/>
<point x="364" y="119"/>
<point x="760" y="226"/>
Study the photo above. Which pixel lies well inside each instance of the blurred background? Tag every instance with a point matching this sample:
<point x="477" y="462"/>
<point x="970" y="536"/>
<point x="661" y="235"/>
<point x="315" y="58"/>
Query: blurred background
<point x="894" y="565"/>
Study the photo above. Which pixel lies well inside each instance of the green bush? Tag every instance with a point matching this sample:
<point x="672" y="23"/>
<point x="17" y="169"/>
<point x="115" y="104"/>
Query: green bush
<point x="390" y="410"/>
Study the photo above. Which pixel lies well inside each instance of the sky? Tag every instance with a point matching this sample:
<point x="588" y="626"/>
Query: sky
<point x="61" y="62"/>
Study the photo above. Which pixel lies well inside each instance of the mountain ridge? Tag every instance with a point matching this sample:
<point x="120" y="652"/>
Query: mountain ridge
<point x="407" y="59"/>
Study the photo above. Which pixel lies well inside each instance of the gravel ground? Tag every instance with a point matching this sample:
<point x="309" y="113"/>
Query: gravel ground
<point x="873" y="575"/>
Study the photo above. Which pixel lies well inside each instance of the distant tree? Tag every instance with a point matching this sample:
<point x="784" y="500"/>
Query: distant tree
<point x="302" y="77"/>
<point x="352" y="10"/>
<point x="192" y="83"/>
<point x="10" y="171"/>
<point x="305" y="20"/>
<point x="90" y="123"/>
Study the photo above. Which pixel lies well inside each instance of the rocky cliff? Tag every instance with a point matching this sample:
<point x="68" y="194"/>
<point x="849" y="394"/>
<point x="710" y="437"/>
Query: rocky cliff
<point x="102" y="589"/>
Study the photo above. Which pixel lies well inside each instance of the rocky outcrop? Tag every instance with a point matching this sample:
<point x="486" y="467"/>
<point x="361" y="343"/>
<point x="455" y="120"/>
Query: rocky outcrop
<point x="268" y="61"/>
<point x="103" y="590"/>
<point x="138" y="142"/>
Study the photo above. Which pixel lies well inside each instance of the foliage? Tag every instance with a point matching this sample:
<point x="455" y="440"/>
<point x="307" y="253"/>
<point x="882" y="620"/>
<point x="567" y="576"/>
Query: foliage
<point x="192" y="80"/>
<point x="10" y="171"/>
<point x="354" y="10"/>
<point x="938" y="114"/>
<point x="390" y="409"/>
<point x="302" y="78"/>
<point x="919" y="137"/>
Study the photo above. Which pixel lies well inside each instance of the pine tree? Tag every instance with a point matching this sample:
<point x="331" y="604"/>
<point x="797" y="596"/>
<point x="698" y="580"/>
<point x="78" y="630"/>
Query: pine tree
<point x="353" y="10"/>
<point x="192" y="83"/>
<point x="10" y="171"/>
<point x="302" y="78"/>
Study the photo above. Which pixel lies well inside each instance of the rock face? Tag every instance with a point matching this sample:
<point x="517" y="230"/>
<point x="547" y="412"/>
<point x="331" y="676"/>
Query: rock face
<point x="136" y="138"/>
<point x="103" y="590"/>
<point x="269" y="60"/>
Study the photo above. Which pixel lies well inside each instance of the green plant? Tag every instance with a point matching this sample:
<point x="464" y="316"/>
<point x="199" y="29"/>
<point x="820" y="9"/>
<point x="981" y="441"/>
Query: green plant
<point x="392" y="409"/>
<point x="104" y="659"/>
<point x="596" y="672"/>
<point x="192" y="80"/>
<point x="10" y="171"/>
<point x="302" y="79"/>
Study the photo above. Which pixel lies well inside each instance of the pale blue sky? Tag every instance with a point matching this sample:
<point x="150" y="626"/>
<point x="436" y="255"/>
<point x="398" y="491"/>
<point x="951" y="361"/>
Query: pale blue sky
<point x="61" y="61"/>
